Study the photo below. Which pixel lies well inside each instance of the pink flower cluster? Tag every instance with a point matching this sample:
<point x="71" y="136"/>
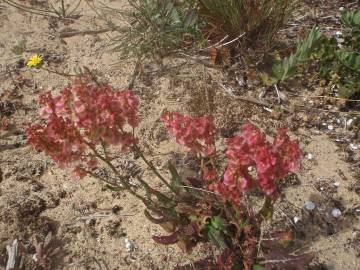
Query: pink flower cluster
<point x="251" y="150"/>
<point x="82" y="116"/>
<point x="196" y="133"/>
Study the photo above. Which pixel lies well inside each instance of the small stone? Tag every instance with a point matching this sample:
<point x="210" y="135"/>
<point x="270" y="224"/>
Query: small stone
<point x="310" y="206"/>
<point x="296" y="219"/>
<point x="336" y="212"/>
<point x="337" y="184"/>
<point x="330" y="127"/>
<point x="276" y="115"/>
<point x="310" y="156"/>
<point x="349" y="122"/>
<point x="341" y="9"/>
<point x="116" y="209"/>
<point x="36" y="186"/>
<point x="128" y="245"/>
<point x="90" y="222"/>
<point x="338" y="33"/>
<point x="353" y="146"/>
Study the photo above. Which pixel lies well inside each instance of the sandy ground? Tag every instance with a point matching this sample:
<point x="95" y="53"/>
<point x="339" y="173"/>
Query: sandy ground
<point x="98" y="229"/>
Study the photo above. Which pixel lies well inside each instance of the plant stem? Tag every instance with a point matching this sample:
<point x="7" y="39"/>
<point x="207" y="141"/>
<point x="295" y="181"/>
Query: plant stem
<point x="137" y="150"/>
<point x="124" y="183"/>
<point x="59" y="73"/>
<point x="268" y="206"/>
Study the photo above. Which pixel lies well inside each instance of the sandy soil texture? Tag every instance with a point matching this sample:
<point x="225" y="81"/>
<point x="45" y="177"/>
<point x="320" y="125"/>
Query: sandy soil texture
<point x="99" y="229"/>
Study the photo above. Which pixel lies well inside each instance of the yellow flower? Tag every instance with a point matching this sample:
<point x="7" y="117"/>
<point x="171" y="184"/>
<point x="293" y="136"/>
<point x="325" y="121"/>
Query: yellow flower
<point x="35" y="60"/>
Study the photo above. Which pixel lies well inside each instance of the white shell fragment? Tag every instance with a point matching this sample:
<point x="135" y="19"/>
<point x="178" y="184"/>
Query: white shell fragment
<point x="349" y="122"/>
<point x="310" y="206"/>
<point x="296" y="219"/>
<point x="330" y="127"/>
<point x="128" y="245"/>
<point x="310" y="156"/>
<point x="337" y="184"/>
<point x="353" y="146"/>
<point x="336" y="213"/>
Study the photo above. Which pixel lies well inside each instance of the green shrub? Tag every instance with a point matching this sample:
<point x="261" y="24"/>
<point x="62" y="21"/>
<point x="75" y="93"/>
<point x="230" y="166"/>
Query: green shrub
<point x="259" y="19"/>
<point x="155" y="27"/>
<point x="338" y="58"/>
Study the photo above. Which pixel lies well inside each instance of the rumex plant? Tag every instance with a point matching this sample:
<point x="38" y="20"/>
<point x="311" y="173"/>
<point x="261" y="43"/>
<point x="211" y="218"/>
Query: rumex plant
<point x="86" y="121"/>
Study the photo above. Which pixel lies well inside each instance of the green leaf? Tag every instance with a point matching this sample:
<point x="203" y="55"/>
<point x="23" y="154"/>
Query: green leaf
<point x="258" y="267"/>
<point x="19" y="48"/>
<point x="290" y="66"/>
<point x="349" y="89"/>
<point x="350" y="60"/>
<point x="217" y="223"/>
<point x="214" y="231"/>
<point x="351" y="18"/>
<point x="268" y="80"/>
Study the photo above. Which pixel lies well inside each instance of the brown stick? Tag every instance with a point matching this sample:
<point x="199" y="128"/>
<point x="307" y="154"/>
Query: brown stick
<point x="66" y="34"/>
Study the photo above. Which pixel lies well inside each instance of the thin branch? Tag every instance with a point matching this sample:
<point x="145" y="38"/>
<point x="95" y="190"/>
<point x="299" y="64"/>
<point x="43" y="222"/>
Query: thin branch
<point x="151" y="166"/>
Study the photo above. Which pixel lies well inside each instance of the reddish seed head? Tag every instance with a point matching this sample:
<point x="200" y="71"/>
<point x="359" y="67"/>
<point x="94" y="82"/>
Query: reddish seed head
<point x="196" y="133"/>
<point x="251" y="150"/>
<point x="84" y="114"/>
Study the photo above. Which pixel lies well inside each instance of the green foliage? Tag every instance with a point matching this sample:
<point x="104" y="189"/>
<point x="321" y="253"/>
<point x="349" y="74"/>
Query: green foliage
<point x="214" y="231"/>
<point x="260" y="20"/>
<point x="155" y="27"/>
<point x="288" y="67"/>
<point x="339" y="63"/>
<point x="19" y="48"/>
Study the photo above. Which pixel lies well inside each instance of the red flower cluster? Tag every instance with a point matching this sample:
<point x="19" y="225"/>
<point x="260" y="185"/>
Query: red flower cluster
<point x="196" y="133"/>
<point x="272" y="162"/>
<point x="82" y="116"/>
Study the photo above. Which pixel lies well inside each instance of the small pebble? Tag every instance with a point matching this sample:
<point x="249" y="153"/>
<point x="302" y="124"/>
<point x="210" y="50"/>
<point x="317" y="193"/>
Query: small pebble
<point x="310" y="156"/>
<point x="336" y="213"/>
<point x="349" y="122"/>
<point x="337" y="184"/>
<point x="128" y="245"/>
<point x="341" y="9"/>
<point x="90" y="222"/>
<point x="309" y="206"/>
<point x="116" y="209"/>
<point x="330" y="127"/>
<point x="353" y="147"/>
<point x="296" y="219"/>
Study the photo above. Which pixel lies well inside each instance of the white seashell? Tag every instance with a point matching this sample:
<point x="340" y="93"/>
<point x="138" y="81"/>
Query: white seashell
<point x="310" y="206"/>
<point x="353" y="147"/>
<point x="336" y="213"/>
<point x="349" y="122"/>
<point x="128" y="245"/>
